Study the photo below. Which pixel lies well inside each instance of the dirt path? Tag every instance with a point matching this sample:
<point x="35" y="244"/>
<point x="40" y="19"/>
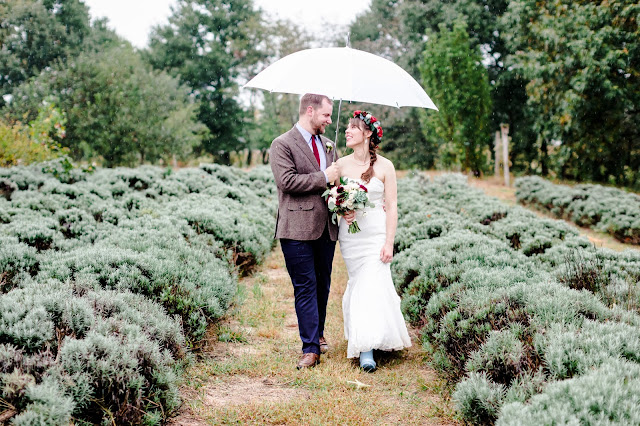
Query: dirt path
<point x="246" y="371"/>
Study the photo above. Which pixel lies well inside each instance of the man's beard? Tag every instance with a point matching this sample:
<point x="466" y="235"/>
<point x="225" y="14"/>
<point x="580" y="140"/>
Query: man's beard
<point x="318" y="127"/>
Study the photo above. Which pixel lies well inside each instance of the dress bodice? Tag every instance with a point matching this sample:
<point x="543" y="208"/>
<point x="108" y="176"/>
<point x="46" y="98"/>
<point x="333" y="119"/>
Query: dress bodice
<point x="371" y="220"/>
<point x="375" y="188"/>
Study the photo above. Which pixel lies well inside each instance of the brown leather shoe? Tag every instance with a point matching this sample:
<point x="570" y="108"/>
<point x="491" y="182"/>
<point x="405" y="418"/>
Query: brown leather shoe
<point x="324" y="346"/>
<point x="308" y="360"/>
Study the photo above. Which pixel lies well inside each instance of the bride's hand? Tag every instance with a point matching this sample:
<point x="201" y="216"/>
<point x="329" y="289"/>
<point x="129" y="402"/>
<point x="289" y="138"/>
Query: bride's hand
<point x="350" y="216"/>
<point x="386" y="254"/>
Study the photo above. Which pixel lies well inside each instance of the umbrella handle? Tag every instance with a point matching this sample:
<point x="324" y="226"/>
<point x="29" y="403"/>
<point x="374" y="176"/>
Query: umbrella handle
<point x="337" y="126"/>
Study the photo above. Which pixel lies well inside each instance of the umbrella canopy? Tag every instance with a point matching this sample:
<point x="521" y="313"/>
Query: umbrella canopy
<point x="345" y="74"/>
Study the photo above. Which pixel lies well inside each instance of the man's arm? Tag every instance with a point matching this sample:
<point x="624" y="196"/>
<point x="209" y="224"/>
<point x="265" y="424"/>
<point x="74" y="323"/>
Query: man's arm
<point x="286" y="175"/>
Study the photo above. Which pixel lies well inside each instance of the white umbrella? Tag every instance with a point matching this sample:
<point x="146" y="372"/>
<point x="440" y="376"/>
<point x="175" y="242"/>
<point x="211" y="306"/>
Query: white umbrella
<point x="345" y="74"/>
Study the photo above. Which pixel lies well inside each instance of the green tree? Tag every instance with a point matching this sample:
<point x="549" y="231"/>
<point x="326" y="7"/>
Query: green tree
<point x="102" y="37"/>
<point x="35" y="34"/>
<point x="582" y="64"/>
<point x="275" y="113"/>
<point x="460" y="88"/>
<point x="417" y="17"/>
<point x="396" y="29"/>
<point x="207" y="44"/>
<point x="117" y="108"/>
<point x="36" y="142"/>
<point x="487" y="33"/>
<point x="380" y="30"/>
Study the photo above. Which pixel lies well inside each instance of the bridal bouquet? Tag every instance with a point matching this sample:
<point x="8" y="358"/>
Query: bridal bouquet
<point x="348" y="195"/>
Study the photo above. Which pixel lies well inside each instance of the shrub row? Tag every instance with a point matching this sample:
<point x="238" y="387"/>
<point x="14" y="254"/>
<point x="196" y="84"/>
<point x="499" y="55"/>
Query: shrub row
<point x="68" y="352"/>
<point x="482" y="280"/>
<point x="109" y="276"/>
<point x="605" y="209"/>
<point x="552" y="244"/>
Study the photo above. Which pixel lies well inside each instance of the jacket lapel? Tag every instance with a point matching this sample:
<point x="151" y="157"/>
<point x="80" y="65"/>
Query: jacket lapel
<point x="304" y="147"/>
<point x="327" y="155"/>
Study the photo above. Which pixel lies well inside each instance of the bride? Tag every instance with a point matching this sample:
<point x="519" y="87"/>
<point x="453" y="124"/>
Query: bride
<point x="370" y="305"/>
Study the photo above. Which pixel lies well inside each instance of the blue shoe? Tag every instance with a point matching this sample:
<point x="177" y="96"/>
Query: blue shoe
<point x="366" y="361"/>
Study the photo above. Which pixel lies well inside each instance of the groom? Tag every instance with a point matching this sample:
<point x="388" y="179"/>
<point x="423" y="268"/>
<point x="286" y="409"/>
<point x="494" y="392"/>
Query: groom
<point x="302" y="166"/>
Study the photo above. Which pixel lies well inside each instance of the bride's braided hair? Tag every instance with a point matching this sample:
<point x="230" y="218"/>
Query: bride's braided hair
<point x="363" y="120"/>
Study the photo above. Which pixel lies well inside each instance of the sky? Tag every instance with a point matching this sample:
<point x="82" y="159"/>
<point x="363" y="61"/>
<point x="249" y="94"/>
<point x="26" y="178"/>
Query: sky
<point x="133" y="19"/>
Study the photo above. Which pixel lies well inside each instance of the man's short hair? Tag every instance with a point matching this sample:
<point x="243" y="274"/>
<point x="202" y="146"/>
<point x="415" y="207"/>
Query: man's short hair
<point x="312" y="99"/>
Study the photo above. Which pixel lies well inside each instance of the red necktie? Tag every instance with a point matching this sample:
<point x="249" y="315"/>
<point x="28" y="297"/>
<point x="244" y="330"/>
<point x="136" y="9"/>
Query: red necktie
<point x="315" y="149"/>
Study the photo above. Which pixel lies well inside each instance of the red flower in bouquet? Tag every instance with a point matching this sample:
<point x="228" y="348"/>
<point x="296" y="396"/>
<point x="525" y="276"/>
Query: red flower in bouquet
<point x="348" y="196"/>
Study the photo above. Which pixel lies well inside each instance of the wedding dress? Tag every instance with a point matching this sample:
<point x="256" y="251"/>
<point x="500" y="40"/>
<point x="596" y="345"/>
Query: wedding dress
<point x="370" y="305"/>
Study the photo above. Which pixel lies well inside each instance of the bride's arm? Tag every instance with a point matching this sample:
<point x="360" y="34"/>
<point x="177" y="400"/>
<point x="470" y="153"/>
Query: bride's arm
<point x="391" y="207"/>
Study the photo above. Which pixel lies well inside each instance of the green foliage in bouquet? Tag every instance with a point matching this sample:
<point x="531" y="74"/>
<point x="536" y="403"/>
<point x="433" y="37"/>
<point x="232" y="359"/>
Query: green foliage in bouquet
<point x="347" y="196"/>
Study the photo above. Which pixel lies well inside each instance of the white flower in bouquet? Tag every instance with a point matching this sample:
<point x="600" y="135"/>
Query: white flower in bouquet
<point x="347" y="196"/>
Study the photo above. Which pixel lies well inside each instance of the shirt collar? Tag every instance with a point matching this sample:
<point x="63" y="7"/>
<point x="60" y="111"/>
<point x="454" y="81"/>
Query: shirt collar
<point x="305" y="134"/>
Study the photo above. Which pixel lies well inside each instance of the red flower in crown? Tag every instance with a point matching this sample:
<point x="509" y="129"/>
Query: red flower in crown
<point x="371" y="121"/>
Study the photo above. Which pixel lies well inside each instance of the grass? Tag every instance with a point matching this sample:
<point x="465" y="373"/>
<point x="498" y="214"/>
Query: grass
<point x="246" y="372"/>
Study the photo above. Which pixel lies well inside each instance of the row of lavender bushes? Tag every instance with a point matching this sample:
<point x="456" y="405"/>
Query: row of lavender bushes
<point x="108" y="277"/>
<point x="605" y="209"/>
<point x="531" y="322"/>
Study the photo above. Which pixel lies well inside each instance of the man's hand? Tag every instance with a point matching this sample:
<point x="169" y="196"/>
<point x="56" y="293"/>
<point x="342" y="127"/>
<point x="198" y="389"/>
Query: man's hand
<point x="350" y="216"/>
<point x="333" y="172"/>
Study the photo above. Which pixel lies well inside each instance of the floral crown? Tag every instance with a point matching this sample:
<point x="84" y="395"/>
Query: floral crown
<point x="371" y="121"/>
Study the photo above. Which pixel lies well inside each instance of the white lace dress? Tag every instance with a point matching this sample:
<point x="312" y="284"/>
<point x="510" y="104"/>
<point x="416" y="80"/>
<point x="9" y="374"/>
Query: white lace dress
<point x="370" y="305"/>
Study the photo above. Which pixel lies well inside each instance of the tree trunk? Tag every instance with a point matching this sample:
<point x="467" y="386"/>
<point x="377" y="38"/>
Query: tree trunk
<point x="544" y="159"/>
<point x="224" y="158"/>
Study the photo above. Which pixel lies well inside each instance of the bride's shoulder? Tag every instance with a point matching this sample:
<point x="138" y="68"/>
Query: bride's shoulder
<point x="344" y="159"/>
<point x="385" y="162"/>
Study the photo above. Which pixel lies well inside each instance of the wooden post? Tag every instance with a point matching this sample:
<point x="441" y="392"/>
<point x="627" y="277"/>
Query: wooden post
<point x="497" y="154"/>
<point x="504" y="130"/>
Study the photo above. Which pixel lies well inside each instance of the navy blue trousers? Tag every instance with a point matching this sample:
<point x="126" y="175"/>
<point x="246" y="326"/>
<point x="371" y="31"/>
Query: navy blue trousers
<point x="309" y="265"/>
